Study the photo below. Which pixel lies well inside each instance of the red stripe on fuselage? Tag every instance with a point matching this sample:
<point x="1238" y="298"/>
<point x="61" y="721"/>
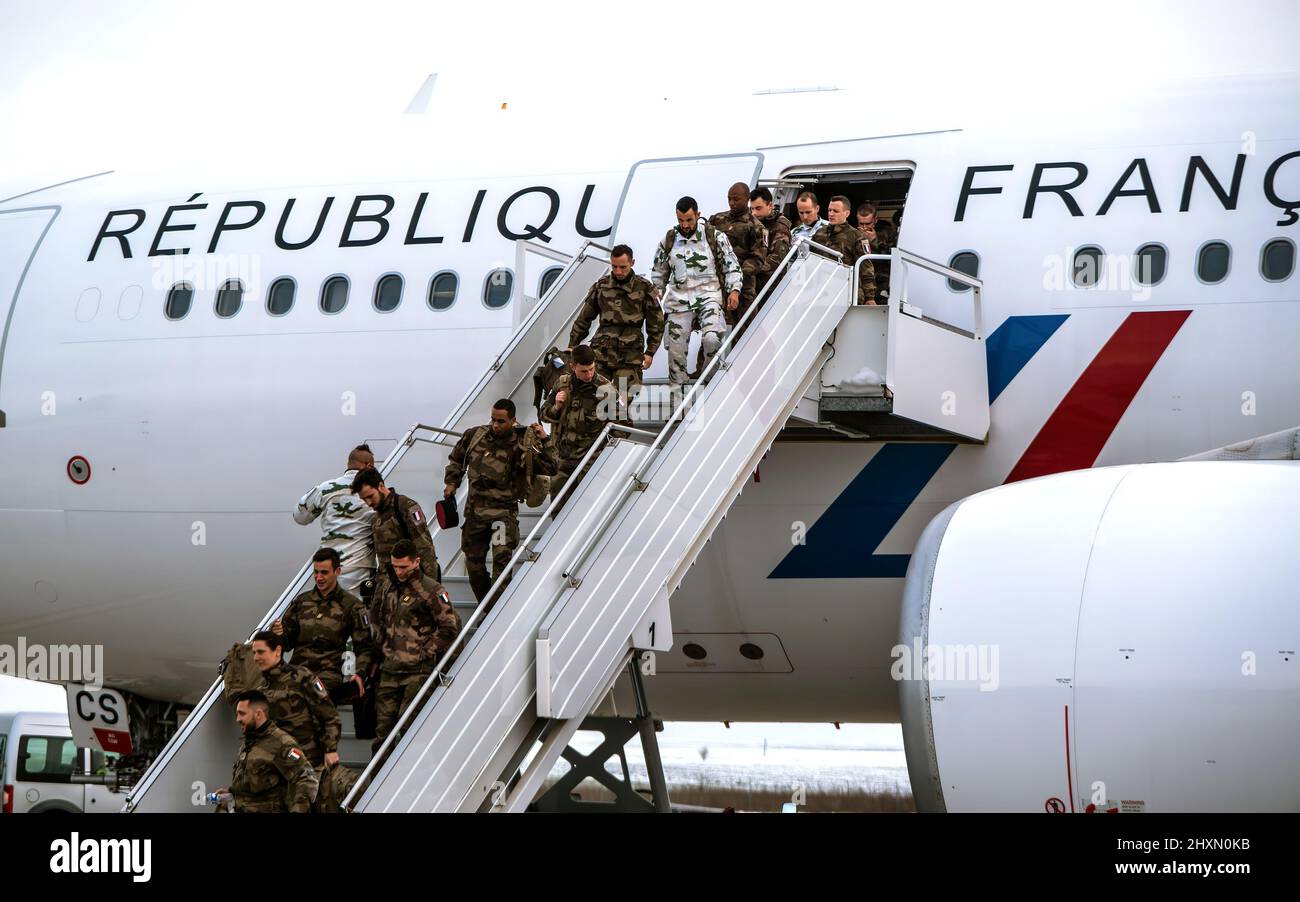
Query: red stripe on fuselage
<point x="1078" y="429"/>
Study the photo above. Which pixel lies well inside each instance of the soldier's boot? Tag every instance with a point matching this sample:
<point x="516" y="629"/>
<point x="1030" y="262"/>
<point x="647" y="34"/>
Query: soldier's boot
<point x="479" y="581"/>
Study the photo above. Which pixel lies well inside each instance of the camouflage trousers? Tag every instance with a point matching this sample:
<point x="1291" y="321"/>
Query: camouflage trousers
<point x="748" y="291"/>
<point x="478" y="536"/>
<point x="566" y="474"/>
<point x="707" y="314"/>
<point x="626" y="378"/>
<point x="395" y="693"/>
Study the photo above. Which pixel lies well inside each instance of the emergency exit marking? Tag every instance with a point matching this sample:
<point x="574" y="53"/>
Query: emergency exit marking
<point x="79" y="470"/>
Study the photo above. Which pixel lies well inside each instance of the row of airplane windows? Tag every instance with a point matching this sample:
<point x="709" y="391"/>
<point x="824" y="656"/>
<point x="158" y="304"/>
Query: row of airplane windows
<point x="281" y="294"/>
<point x="1151" y="263"/>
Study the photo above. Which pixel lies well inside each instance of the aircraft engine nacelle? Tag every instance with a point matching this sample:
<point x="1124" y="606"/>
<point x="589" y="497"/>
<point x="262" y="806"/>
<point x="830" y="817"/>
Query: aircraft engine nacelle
<point x="1124" y="638"/>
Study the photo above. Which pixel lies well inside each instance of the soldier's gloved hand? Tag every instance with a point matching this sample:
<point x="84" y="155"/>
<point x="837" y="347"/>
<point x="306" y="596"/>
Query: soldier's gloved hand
<point x="448" y="490"/>
<point x="331" y="759"/>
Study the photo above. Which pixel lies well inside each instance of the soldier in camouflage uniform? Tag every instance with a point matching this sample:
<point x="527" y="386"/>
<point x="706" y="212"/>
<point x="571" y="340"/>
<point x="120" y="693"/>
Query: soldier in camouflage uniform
<point x="580" y="406"/>
<point x="318" y="624"/>
<point x="778" y="235"/>
<point x="299" y="703"/>
<point x="495" y="458"/>
<point x="346" y="522"/>
<point x="416" y="624"/>
<point x="272" y="775"/>
<point x="694" y="265"/>
<point x="748" y="241"/>
<point x="396" y="517"/>
<point x="810" y="220"/>
<point x="627" y="306"/>
<point x="845" y="238"/>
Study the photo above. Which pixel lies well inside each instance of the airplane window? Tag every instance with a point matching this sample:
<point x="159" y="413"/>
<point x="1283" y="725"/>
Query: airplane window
<point x="230" y="296"/>
<point x="967" y="262"/>
<point x="1212" y="262"/>
<point x="1087" y="266"/>
<point x="279" y="299"/>
<point x="178" y="300"/>
<point x="1149" y="264"/>
<point x="548" y="279"/>
<point x="388" y="293"/>
<point x="334" y="294"/>
<point x="497" y="288"/>
<point x="442" y="290"/>
<point x="1277" y="261"/>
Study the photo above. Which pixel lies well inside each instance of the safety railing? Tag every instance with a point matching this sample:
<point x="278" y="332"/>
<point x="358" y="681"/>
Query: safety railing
<point x="523" y="552"/>
<point x="295" y="587"/>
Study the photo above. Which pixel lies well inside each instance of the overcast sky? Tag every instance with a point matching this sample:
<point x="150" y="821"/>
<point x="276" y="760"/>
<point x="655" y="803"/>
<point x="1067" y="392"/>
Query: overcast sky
<point x="86" y="86"/>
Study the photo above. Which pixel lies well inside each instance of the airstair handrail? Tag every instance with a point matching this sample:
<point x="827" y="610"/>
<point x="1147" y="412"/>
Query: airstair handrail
<point x="903" y="258"/>
<point x="542" y="303"/>
<point x="522" y="550"/>
<point x="798" y="251"/>
<point x="281" y="605"/>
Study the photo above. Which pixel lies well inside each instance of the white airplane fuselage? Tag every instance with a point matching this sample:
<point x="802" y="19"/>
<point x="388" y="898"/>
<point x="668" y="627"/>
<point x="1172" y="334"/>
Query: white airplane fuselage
<point x="201" y="433"/>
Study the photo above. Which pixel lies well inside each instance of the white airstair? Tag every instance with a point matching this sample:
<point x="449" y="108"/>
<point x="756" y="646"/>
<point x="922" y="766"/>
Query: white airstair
<point x="589" y="599"/>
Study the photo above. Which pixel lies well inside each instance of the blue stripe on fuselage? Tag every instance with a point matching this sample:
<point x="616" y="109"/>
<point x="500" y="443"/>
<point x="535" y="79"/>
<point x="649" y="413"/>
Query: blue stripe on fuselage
<point x="841" y="544"/>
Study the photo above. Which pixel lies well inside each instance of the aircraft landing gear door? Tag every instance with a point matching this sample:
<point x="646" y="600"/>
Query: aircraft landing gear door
<point x="21" y="232"/>
<point x="646" y="209"/>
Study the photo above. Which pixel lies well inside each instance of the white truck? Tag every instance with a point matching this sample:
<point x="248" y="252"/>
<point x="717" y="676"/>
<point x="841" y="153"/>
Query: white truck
<point x="42" y="769"/>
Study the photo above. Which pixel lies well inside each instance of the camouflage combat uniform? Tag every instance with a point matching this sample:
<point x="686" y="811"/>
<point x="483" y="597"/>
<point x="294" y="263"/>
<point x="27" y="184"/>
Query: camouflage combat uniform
<point x="778" y="245"/>
<point x="302" y="708"/>
<point x="847" y="240"/>
<point x="272" y="775"/>
<point x="399" y="517"/>
<point x="578" y="422"/>
<point x="624" y="309"/>
<point x="495" y="467"/>
<point x="346" y="521"/>
<point x="748" y="240"/>
<point x="415" y="624"/>
<point x="317" y="630"/>
<point x="807" y="231"/>
<point x="696" y="284"/>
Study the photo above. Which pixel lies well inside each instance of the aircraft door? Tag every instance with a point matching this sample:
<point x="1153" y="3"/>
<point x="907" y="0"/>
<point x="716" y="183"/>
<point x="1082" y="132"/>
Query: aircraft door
<point x="21" y="233"/>
<point x="646" y="209"/>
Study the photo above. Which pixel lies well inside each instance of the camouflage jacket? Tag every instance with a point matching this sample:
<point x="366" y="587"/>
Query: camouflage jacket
<point x="778" y="245"/>
<point x="272" y="774"/>
<point x="807" y="231"/>
<point x="847" y="240"/>
<point x="415" y="623"/>
<point x="579" y="421"/>
<point x="399" y="517"/>
<point x="623" y="308"/>
<point x="496" y="468"/>
<point x="317" y="629"/>
<point x="302" y="708"/>
<point x="689" y="272"/>
<point x="747" y="235"/>
<point x="345" y="520"/>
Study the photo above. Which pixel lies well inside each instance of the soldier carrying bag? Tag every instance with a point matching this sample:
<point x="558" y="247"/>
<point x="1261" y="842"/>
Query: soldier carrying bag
<point x="555" y="363"/>
<point x="238" y="672"/>
<point x="711" y="236"/>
